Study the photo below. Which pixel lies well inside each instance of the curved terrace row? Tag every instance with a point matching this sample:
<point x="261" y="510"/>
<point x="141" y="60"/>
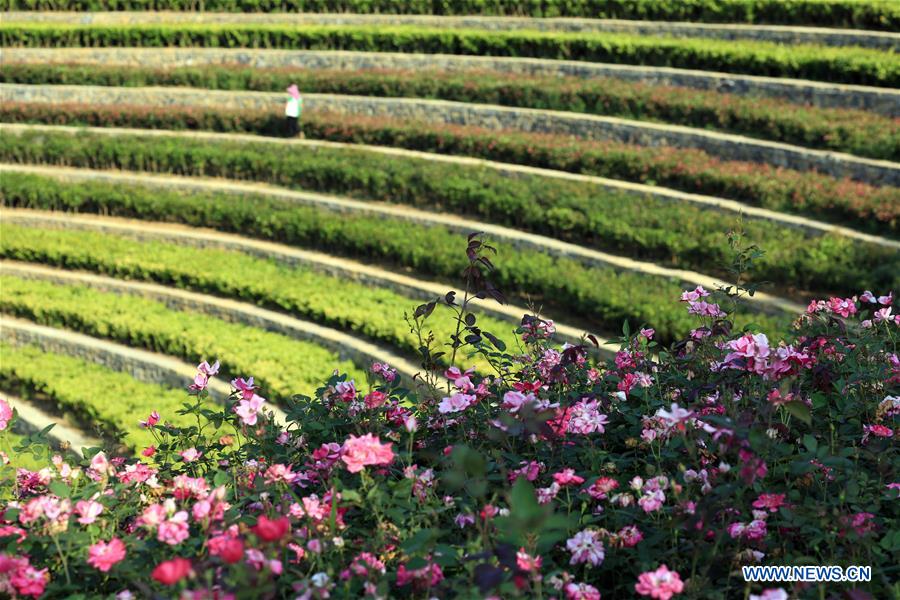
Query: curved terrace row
<point x="591" y="127"/>
<point x="802" y="92"/>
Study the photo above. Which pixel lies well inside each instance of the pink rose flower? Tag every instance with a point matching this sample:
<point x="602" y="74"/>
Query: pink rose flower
<point x="600" y="488"/>
<point x="526" y="562"/>
<point x="6" y="414"/>
<point x="410" y="423"/>
<point x="513" y="401"/>
<point x="385" y="371"/>
<point x="842" y="306"/>
<point x="652" y="501"/>
<point x="458" y="402"/>
<point x="770" y="501"/>
<point x="173" y="531"/>
<point x="100" y="465"/>
<point x="877" y="431"/>
<point x="461" y="380"/>
<point x="25" y="580"/>
<point x="694" y="295"/>
<point x="226" y="547"/>
<point x="88" y="511"/>
<point x="661" y="584"/>
<point x="630" y="536"/>
<point x="362" y="451"/>
<point x="750" y="350"/>
<point x="883" y="314"/>
<point x="170" y="572"/>
<point x="244" y="386"/>
<point x="204" y="372"/>
<point x="248" y="409"/>
<point x="585" y="418"/>
<point x="103" y="555"/>
<point x="586" y="547"/>
<point x="374" y="399"/>
<point x="190" y="455"/>
<point x="346" y="390"/>
<point x="675" y="416"/>
<point x="567" y="477"/>
<point x="581" y="591"/>
<point x="702" y="308"/>
<point x="272" y="530"/>
<point x="152" y="420"/>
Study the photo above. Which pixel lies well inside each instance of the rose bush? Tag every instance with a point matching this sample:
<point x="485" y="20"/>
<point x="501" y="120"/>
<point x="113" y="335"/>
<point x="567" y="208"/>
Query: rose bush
<point x="657" y="474"/>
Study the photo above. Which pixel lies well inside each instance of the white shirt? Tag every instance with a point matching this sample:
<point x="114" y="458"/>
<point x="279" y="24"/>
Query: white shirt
<point x="292" y="108"/>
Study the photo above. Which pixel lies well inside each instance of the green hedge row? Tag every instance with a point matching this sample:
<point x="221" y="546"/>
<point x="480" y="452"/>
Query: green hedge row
<point x="850" y="203"/>
<point x="102" y="401"/>
<point x="671" y="233"/>
<point x="600" y="296"/>
<point x="843" y="65"/>
<point x="854" y="131"/>
<point x="375" y="313"/>
<point x="866" y="14"/>
<point x="243" y="351"/>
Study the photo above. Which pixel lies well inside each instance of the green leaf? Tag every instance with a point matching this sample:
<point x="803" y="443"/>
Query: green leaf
<point x="800" y="411"/>
<point x="59" y="488"/>
<point x="819" y="400"/>
<point x="416" y="563"/>
<point x="419" y="540"/>
<point x="523" y="501"/>
<point x="221" y="478"/>
<point x="497" y="342"/>
<point x="810" y="442"/>
<point x="351" y="496"/>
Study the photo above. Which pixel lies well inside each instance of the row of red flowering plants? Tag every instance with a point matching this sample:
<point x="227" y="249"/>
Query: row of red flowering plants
<point x="854" y="131"/>
<point x="551" y="474"/>
<point x="874" y="209"/>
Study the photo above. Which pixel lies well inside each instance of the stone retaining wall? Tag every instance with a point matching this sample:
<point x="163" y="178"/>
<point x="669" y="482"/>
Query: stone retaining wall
<point x="884" y="101"/>
<point x="143" y="366"/>
<point x="32" y="419"/>
<point x="761" y="33"/>
<point x="724" y="146"/>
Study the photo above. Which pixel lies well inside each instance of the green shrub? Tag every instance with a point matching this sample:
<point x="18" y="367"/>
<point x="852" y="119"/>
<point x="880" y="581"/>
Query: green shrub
<point x="148" y="324"/>
<point x="842" y="201"/>
<point x="640" y="227"/>
<point x="843" y="65"/>
<point x="866" y="14"/>
<point x="601" y="296"/>
<point x="854" y="131"/>
<point x="375" y="313"/>
<point x="101" y="401"/>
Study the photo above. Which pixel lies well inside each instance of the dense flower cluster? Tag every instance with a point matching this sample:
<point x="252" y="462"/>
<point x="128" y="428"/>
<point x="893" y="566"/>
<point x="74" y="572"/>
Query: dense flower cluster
<point x="541" y="474"/>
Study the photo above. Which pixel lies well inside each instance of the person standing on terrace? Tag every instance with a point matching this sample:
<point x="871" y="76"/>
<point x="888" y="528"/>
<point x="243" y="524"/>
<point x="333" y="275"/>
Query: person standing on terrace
<point x="292" y="111"/>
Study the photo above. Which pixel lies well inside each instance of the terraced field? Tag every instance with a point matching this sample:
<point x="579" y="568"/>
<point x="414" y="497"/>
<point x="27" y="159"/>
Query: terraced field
<point x="155" y="213"/>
